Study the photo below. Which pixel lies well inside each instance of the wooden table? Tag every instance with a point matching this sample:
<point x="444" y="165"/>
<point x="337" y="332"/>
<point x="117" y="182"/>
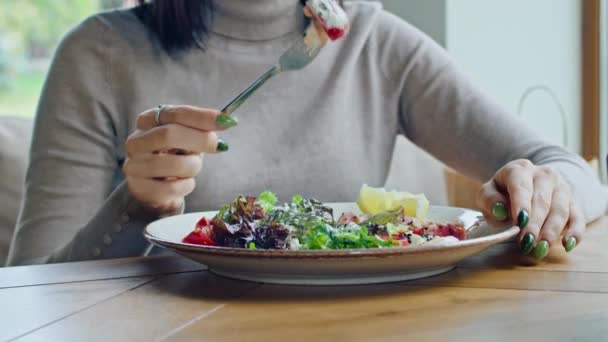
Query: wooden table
<point x="495" y="296"/>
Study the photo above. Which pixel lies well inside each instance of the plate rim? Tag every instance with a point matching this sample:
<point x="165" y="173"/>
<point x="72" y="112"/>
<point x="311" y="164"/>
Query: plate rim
<point x="509" y="232"/>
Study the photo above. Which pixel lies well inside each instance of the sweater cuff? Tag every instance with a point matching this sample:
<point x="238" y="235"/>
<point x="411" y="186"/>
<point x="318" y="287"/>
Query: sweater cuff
<point x="590" y="195"/>
<point x="116" y="231"/>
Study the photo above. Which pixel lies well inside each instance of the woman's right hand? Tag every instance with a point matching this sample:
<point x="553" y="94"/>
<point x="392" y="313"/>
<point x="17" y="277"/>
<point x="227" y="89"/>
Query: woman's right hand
<point x="163" y="160"/>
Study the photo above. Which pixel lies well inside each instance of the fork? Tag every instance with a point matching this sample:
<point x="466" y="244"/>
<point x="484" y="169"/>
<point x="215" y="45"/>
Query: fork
<point x="299" y="55"/>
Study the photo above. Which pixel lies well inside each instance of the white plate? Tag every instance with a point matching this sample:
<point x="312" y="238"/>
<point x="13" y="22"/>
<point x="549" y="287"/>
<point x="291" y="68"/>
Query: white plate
<point x="332" y="267"/>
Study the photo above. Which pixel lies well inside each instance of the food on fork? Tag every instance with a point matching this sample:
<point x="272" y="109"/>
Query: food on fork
<point x="307" y="224"/>
<point x="329" y="15"/>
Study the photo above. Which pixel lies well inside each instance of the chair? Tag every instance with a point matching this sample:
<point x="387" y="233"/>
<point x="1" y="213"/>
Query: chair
<point x="416" y="171"/>
<point x="15" y="138"/>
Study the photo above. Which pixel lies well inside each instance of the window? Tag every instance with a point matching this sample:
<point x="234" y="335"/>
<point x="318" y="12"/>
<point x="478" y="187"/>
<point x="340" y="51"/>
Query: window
<point x="29" y="33"/>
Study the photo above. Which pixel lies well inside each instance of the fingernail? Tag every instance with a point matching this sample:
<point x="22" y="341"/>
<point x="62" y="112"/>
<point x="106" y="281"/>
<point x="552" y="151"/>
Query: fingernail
<point x="541" y="250"/>
<point x="570" y="244"/>
<point x="226" y="121"/>
<point x="222" y="146"/>
<point x="522" y="219"/>
<point x="500" y="211"/>
<point x="527" y="243"/>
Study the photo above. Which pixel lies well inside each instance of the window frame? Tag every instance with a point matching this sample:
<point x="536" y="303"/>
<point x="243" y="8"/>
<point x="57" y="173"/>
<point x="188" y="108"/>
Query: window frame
<point x="591" y="80"/>
<point x="604" y="90"/>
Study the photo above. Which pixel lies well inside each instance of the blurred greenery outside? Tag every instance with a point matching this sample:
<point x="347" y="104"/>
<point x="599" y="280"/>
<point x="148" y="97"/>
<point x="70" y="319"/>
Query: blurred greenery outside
<point x="29" y="33"/>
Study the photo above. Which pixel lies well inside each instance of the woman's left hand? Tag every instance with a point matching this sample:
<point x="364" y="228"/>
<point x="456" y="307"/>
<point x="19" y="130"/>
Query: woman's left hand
<point x="539" y="200"/>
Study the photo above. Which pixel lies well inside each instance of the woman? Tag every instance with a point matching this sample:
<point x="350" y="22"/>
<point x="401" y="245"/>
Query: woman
<point x="100" y="171"/>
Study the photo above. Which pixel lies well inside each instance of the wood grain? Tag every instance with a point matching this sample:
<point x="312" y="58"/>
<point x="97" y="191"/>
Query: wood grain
<point x="25" y="309"/>
<point x="272" y="313"/>
<point x="180" y="302"/>
<point x="590" y="256"/>
<point x="149" y="312"/>
<point x="95" y="270"/>
<point x="520" y="279"/>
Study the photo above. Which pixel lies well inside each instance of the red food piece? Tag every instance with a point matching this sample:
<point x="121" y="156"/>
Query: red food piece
<point x="418" y="231"/>
<point x="201" y="234"/>
<point x="204" y="222"/>
<point x="399" y="236"/>
<point x="349" y="217"/>
<point x="458" y="231"/>
<point x="441" y="230"/>
<point x="401" y="241"/>
<point x="334" y="33"/>
<point x="449" y="229"/>
<point x="198" y="237"/>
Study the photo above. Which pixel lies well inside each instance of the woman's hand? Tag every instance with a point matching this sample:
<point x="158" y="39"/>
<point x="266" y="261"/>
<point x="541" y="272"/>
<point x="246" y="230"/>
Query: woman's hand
<point x="163" y="160"/>
<point x="539" y="200"/>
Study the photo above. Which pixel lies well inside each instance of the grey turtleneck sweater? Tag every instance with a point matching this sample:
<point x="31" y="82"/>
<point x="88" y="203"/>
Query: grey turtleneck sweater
<point x="319" y="132"/>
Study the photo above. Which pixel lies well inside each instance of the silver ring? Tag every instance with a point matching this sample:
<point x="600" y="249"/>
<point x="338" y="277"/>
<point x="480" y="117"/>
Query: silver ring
<point x="159" y="109"/>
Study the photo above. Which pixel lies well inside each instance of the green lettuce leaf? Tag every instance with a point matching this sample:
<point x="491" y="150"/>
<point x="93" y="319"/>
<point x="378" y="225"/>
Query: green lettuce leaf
<point x="297" y="199"/>
<point x="267" y="200"/>
<point x="316" y="238"/>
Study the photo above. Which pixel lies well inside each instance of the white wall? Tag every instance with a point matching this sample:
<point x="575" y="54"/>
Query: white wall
<point x="507" y="46"/>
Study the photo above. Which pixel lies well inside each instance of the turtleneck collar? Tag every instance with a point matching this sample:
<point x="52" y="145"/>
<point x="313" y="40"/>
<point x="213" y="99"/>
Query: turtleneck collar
<point x="257" y="20"/>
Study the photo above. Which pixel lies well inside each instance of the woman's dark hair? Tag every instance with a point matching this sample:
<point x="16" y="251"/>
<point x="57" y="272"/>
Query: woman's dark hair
<point x="179" y="25"/>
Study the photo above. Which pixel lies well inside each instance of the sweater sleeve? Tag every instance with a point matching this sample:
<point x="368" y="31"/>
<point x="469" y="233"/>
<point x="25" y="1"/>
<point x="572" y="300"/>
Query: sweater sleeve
<point x="72" y="208"/>
<point x="441" y="111"/>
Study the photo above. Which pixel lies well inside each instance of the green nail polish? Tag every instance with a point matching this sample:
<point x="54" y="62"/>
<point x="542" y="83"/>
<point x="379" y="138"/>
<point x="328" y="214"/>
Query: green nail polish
<point x="527" y="244"/>
<point x="222" y="146"/>
<point x="522" y="219"/>
<point x="500" y="211"/>
<point x="541" y="250"/>
<point x="570" y="244"/>
<point x="226" y="121"/>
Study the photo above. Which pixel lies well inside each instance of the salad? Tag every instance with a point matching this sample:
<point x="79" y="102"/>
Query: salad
<point x="307" y="224"/>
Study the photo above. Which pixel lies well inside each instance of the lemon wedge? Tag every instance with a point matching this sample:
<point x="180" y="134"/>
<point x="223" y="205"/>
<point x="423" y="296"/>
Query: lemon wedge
<point x="413" y="205"/>
<point x="371" y="200"/>
<point x="376" y="200"/>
